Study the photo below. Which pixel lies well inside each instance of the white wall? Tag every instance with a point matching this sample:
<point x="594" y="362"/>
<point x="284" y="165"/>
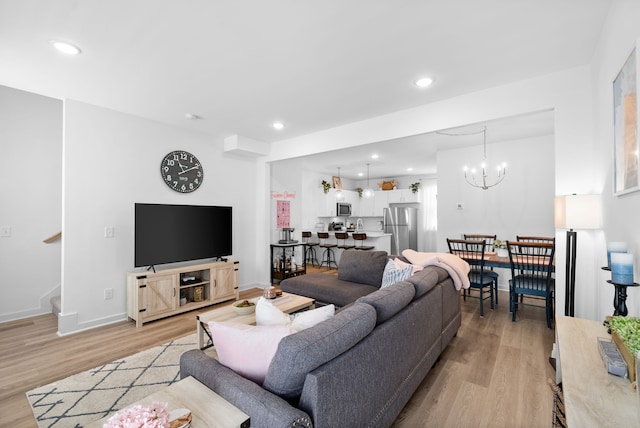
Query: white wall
<point x="111" y="161"/>
<point x="620" y="34"/>
<point x="30" y="201"/>
<point x="522" y="204"/>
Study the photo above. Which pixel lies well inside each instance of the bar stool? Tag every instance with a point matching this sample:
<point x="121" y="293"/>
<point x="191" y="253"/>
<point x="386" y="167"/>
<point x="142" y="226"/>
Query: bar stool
<point x="310" y="250"/>
<point x="342" y="237"/>
<point x="360" y="238"/>
<point x="328" y="256"/>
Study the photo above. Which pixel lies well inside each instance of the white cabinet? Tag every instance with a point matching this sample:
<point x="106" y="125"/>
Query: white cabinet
<point x="380" y="202"/>
<point x="155" y="295"/>
<point x="403" y="195"/>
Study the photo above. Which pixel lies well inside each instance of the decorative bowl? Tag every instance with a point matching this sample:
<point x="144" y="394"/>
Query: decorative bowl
<point x="244" y="307"/>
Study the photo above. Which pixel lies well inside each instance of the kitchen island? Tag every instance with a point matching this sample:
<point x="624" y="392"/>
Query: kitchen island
<point x="378" y="239"/>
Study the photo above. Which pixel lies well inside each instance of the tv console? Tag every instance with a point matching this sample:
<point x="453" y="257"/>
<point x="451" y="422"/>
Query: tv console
<point x="159" y="294"/>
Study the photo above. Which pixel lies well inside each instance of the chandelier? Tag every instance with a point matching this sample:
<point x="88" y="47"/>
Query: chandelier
<point x="483" y="182"/>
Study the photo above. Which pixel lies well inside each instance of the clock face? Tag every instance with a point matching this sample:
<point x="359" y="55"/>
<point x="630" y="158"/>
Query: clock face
<point x="182" y="171"/>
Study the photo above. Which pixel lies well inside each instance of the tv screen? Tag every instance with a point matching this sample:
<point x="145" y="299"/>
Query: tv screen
<point x="177" y="233"/>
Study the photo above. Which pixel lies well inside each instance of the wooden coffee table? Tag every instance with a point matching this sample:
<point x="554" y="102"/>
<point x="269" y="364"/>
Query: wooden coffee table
<point x="287" y="303"/>
<point x="208" y="409"/>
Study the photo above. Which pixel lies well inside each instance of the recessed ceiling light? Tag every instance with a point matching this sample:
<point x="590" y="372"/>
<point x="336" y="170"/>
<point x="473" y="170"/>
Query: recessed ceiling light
<point x="278" y="125"/>
<point x="65" y="47"/>
<point x="424" y="82"/>
<point x="375" y="156"/>
<point x="360" y="174"/>
<point x="409" y="169"/>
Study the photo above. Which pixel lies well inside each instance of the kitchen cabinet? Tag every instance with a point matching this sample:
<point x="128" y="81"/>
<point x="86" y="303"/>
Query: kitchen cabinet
<point x="401" y="196"/>
<point x="326" y="202"/>
<point x="372" y="207"/>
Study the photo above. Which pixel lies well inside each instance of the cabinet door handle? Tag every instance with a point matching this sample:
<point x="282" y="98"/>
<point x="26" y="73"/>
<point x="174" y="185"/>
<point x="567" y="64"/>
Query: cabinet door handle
<point x="174" y="292"/>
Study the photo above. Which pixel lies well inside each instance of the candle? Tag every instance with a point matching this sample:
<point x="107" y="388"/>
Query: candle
<point x="622" y="268"/>
<point x="615" y="247"/>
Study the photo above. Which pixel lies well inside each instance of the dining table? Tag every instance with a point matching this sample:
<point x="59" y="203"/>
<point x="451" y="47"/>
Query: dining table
<point x="491" y="259"/>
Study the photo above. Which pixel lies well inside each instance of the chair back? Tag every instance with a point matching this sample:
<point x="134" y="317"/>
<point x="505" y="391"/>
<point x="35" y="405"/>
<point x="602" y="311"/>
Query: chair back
<point x="531" y="264"/>
<point x="481" y="237"/>
<point x="547" y="239"/>
<point x="470" y="250"/>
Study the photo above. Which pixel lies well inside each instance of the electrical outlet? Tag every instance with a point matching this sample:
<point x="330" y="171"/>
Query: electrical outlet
<point x="459" y="206"/>
<point x="108" y="293"/>
<point x="109" y="231"/>
<point x="5" y="231"/>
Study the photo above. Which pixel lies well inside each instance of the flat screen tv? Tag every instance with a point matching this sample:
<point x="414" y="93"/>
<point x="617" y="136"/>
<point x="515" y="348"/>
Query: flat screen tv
<point x="176" y="233"/>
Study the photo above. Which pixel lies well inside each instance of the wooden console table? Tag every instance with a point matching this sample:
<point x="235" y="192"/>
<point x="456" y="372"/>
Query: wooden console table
<point x="593" y="397"/>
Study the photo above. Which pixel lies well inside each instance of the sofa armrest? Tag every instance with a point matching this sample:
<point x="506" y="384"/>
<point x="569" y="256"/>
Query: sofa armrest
<point x="264" y="408"/>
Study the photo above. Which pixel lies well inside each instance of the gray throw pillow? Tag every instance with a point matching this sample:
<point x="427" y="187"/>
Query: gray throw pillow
<point x="363" y="267"/>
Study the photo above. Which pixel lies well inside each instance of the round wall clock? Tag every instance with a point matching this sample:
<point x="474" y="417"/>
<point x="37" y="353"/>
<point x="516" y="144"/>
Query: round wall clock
<point x="182" y="171"/>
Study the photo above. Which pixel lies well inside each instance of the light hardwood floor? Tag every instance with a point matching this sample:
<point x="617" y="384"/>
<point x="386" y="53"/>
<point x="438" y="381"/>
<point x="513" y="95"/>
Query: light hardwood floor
<point x="493" y="374"/>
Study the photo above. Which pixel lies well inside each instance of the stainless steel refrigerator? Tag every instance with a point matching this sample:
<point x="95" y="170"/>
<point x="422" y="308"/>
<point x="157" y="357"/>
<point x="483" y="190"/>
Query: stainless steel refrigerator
<point x="402" y="223"/>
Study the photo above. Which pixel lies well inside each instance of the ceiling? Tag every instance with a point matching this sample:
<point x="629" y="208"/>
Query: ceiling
<point x="241" y="65"/>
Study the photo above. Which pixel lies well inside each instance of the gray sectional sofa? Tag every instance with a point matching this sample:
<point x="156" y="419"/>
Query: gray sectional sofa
<point x="356" y="369"/>
<point x="360" y="273"/>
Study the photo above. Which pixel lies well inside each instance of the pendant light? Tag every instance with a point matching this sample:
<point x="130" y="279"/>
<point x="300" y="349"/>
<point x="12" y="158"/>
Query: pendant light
<point x="339" y="194"/>
<point x="368" y="191"/>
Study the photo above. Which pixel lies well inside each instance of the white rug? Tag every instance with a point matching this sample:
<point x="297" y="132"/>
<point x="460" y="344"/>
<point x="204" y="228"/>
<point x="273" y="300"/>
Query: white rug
<point x="94" y="394"/>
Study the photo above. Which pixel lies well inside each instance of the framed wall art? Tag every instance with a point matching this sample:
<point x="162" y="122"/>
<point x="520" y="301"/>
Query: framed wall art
<point x="625" y="127"/>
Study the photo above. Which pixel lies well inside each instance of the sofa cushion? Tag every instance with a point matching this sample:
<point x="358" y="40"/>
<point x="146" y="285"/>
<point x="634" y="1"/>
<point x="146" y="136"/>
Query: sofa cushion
<point x="327" y="288"/>
<point x="390" y="300"/>
<point x="426" y="279"/>
<point x="365" y="267"/>
<point x="302" y="352"/>
<point x="247" y="349"/>
<point x="393" y="274"/>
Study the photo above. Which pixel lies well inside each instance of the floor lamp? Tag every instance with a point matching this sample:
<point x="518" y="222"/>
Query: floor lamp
<point x="575" y="212"/>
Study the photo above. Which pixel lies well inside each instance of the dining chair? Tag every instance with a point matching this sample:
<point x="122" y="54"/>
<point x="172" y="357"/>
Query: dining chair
<point x="473" y="252"/>
<point x="531" y="269"/>
<point x="488" y="239"/>
<point x="547" y="239"/>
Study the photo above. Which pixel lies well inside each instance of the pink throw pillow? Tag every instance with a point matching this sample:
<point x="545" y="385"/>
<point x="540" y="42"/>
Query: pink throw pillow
<point x="247" y="349"/>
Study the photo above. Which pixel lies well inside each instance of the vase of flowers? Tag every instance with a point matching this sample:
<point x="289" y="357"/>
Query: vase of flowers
<point x="154" y="415"/>
<point x="359" y="190"/>
<point x="415" y="187"/>
<point x="501" y="248"/>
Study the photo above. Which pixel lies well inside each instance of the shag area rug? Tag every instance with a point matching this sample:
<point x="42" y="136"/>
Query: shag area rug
<point x="89" y="396"/>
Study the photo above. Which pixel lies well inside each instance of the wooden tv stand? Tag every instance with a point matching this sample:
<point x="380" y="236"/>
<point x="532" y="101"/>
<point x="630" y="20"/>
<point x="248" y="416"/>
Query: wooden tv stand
<point x="155" y="295"/>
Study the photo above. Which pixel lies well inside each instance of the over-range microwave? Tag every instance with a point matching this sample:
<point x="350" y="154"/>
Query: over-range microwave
<point x="343" y="209"/>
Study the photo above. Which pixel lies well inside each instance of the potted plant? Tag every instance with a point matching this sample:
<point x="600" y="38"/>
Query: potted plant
<point x="625" y="332"/>
<point x="415" y="187"/>
<point x="501" y="248"/>
<point x="326" y="186"/>
<point x="359" y="190"/>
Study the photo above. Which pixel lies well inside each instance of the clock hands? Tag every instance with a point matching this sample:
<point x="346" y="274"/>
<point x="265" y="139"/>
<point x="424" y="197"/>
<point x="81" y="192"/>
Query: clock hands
<point x="187" y="170"/>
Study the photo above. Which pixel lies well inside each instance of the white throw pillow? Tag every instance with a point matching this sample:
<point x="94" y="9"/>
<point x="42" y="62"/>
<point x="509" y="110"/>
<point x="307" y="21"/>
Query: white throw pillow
<point x="393" y="275"/>
<point x="268" y="314"/>
<point x="247" y="349"/>
<point x="306" y="319"/>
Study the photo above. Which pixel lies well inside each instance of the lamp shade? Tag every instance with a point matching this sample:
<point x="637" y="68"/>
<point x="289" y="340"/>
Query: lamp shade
<point x="578" y="212"/>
